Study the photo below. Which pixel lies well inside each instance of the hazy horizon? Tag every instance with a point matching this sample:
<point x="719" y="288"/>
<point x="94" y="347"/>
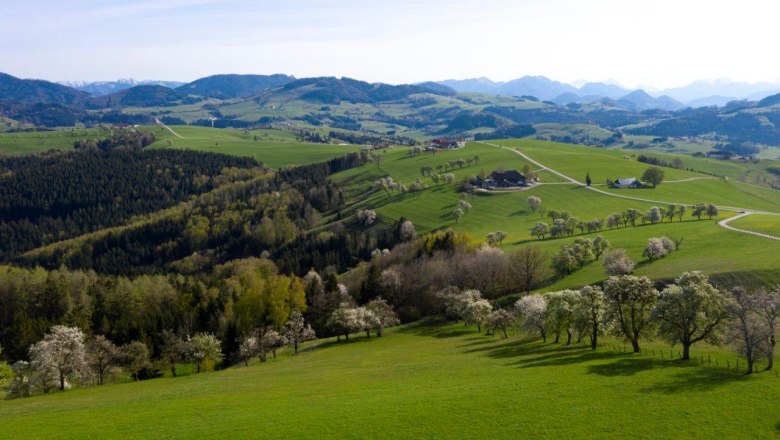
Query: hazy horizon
<point x="651" y="45"/>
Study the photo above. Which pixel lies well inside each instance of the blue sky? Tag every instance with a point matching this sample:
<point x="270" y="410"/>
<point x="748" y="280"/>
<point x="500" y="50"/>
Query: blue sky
<point x="660" y="43"/>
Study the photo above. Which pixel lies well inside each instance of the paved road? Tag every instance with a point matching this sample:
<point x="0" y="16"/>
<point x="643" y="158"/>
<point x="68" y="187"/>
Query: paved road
<point x="723" y="223"/>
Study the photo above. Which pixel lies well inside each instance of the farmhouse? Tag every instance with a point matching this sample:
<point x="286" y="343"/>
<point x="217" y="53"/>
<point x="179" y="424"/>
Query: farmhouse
<point x="628" y="182"/>
<point x="503" y="179"/>
<point x="447" y="144"/>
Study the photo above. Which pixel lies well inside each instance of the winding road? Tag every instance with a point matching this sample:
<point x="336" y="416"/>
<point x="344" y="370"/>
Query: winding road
<point x="743" y="212"/>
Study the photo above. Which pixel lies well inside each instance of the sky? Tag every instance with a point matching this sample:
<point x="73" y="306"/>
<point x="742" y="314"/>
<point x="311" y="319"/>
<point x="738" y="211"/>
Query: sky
<point x="637" y="43"/>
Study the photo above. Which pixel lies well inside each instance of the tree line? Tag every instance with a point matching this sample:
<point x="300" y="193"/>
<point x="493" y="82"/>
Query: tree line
<point x="688" y="311"/>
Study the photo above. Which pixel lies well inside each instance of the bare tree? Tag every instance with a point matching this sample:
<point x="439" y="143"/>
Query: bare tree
<point x="528" y="267"/>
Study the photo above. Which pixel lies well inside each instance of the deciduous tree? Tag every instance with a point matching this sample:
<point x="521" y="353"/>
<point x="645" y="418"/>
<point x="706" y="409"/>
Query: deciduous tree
<point x="630" y="301"/>
<point x="690" y="310"/>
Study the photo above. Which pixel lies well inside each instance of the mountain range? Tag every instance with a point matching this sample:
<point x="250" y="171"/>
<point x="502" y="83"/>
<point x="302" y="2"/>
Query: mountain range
<point x="101" y="88"/>
<point x="698" y="94"/>
<point x="376" y="109"/>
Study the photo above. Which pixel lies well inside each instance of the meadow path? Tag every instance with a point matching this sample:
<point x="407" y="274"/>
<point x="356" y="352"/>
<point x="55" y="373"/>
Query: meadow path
<point x="723" y="223"/>
<point x="159" y="122"/>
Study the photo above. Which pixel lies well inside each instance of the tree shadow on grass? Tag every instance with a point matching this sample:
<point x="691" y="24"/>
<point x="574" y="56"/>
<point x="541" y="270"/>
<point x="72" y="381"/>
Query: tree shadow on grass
<point x="433" y="328"/>
<point x="689" y="377"/>
<point x="694" y="378"/>
<point x="627" y="366"/>
<point x="531" y="352"/>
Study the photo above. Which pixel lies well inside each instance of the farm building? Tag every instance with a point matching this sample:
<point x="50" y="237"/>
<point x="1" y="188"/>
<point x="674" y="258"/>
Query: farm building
<point x="447" y="144"/>
<point x="503" y="179"/>
<point x="628" y="182"/>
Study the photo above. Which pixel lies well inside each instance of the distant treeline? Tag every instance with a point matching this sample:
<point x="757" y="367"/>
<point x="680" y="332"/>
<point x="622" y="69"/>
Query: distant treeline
<point x="676" y="163"/>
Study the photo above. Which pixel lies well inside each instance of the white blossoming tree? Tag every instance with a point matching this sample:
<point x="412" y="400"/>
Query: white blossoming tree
<point x="60" y="354"/>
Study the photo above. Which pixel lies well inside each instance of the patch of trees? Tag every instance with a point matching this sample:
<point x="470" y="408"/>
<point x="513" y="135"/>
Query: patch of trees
<point x="228" y="301"/>
<point x="466" y="121"/>
<point x="409" y="276"/>
<point x="676" y="163"/>
<point x="363" y="138"/>
<point x="120" y="138"/>
<point x="513" y="131"/>
<point x="734" y="149"/>
<point x="55" y="196"/>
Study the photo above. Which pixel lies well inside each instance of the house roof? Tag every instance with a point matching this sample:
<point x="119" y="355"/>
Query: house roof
<point x="627" y="181"/>
<point x="511" y="175"/>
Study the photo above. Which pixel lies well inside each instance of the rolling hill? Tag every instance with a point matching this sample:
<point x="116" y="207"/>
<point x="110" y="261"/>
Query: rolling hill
<point x="233" y="86"/>
<point x="140" y="96"/>
<point x="38" y="91"/>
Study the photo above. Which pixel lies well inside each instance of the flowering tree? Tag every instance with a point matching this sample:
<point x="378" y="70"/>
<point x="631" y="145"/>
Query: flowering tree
<point x="296" y="331"/>
<point x="61" y="353"/>
<point x="204" y="346"/>
<point x="532" y="310"/>
<point x="630" y="301"/>
<point x="385" y="314"/>
<point x="690" y="310"/>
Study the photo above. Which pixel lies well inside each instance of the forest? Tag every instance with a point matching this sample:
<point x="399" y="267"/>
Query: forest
<point x="59" y="195"/>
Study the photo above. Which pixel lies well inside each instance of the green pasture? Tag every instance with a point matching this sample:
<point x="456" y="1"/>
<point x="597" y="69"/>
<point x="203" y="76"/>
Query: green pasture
<point x="734" y="257"/>
<point x="766" y="224"/>
<point x="37" y="141"/>
<point x="275" y="148"/>
<point x="427" y="381"/>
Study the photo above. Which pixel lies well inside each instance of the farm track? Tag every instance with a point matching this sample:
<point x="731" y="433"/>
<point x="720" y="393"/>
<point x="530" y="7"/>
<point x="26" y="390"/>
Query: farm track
<point x="168" y="128"/>
<point x="723" y="223"/>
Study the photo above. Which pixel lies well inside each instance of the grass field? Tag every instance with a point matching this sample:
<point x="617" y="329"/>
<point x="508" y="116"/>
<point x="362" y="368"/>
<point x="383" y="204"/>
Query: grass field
<point x="733" y="257"/>
<point x="37" y="141"/>
<point x="426" y="382"/>
<point x="275" y="148"/>
<point x="767" y="224"/>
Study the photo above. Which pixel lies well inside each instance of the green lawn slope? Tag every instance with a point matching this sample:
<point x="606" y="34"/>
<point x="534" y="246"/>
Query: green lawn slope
<point x="426" y="382"/>
<point x="275" y="148"/>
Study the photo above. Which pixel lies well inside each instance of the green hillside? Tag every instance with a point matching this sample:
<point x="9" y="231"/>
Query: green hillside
<point x="735" y="257"/>
<point x="36" y="141"/>
<point x="274" y="148"/>
<point x="426" y="382"/>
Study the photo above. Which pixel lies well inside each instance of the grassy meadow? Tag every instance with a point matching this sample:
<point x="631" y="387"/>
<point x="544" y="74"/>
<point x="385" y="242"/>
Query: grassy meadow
<point x="730" y="256"/>
<point x="426" y="381"/>
<point x="766" y="224"/>
<point x="37" y="141"/>
<point x="274" y="148"/>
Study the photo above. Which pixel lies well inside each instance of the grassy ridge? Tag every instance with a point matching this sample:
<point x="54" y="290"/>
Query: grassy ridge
<point x="275" y="148"/>
<point x="32" y="142"/>
<point x="424" y="382"/>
